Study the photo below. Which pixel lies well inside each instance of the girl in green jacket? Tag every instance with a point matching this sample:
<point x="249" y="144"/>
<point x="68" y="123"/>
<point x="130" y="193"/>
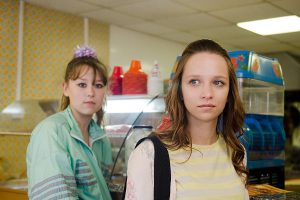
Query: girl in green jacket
<point x="68" y="149"/>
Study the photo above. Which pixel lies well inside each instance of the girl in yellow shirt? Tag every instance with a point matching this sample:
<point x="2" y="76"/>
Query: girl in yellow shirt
<point x="206" y="116"/>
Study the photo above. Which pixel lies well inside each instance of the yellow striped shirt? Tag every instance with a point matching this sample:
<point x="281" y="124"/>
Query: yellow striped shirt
<point x="208" y="174"/>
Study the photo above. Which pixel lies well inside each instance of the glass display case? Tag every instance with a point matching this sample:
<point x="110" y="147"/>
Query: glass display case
<point x="261" y="88"/>
<point x="23" y="115"/>
<point x="128" y="119"/>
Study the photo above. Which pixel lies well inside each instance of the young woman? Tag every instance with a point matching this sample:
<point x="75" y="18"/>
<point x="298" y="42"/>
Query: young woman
<point x="68" y="149"/>
<point x="207" y="160"/>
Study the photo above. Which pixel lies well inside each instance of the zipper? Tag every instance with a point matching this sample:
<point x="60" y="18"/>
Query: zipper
<point x="93" y="141"/>
<point x="83" y="142"/>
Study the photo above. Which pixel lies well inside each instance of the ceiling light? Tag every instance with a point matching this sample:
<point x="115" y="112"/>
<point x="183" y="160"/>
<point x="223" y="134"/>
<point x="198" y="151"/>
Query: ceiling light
<point x="273" y="26"/>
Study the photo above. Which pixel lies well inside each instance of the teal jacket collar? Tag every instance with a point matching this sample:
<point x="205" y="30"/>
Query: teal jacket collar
<point x="95" y="131"/>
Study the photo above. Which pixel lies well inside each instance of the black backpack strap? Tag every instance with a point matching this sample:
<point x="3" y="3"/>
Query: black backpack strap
<point x="162" y="169"/>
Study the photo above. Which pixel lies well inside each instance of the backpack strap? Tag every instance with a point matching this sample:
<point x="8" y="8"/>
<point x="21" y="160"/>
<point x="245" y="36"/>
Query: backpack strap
<point x="162" y="169"/>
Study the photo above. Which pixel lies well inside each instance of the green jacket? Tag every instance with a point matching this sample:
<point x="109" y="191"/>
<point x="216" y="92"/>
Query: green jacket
<point x="60" y="165"/>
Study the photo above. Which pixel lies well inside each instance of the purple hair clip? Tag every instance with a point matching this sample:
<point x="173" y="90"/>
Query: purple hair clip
<point x="85" y="51"/>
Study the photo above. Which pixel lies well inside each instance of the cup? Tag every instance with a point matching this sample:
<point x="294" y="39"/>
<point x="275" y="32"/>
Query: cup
<point x="135" y="66"/>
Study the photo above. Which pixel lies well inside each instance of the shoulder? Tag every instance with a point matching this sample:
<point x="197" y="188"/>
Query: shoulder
<point x="144" y="149"/>
<point x="50" y="127"/>
<point x="57" y="119"/>
<point x="48" y="137"/>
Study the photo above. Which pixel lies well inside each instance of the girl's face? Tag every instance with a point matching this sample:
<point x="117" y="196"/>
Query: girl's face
<point x="86" y="93"/>
<point x="205" y="86"/>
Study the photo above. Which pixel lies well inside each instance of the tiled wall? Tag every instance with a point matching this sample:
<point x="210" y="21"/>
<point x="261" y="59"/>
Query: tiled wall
<point x="13" y="153"/>
<point x="8" y="50"/>
<point x="99" y="39"/>
<point x="49" y="40"/>
<point x="48" y="44"/>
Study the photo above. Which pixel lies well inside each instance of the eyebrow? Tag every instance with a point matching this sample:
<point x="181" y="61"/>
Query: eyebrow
<point x="197" y="76"/>
<point x="222" y="77"/>
<point x="99" y="80"/>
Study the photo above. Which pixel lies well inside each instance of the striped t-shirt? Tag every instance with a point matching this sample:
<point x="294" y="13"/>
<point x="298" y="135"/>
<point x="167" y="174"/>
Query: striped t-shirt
<point x="208" y="174"/>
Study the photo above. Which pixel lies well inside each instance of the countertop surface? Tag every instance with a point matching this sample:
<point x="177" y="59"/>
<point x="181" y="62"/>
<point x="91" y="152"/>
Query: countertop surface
<point x="268" y="192"/>
<point x="257" y="192"/>
<point x="16" y="184"/>
<point x="280" y="196"/>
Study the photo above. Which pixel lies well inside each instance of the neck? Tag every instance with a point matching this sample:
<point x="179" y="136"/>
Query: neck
<point x="84" y="128"/>
<point x="203" y="133"/>
<point x="83" y="124"/>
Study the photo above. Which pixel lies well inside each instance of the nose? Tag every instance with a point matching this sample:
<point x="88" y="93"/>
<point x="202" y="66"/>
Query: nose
<point x="207" y="91"/>
<point x="90" y="91"/>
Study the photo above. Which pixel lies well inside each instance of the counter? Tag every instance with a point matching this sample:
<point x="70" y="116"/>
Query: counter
<point x="14" y="190"/>
<point x="268" y="192"/>
<point x="17" y="190"/>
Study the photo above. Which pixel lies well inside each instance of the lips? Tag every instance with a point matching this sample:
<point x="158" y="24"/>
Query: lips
<point x="206" y="106"/>
<point x="89" y="102"/>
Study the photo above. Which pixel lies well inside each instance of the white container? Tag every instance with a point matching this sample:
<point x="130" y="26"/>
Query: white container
<point x="155" y="83"/>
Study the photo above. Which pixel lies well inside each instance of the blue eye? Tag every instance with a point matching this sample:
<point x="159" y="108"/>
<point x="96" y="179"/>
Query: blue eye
<point x="82" y="85"/>
<point x="218" y="83"/>
<point x="194" y="82"/>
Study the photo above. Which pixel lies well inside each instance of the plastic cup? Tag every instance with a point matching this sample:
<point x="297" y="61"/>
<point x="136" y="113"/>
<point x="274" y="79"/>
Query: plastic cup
<point x="135" y="65"/>
<point x="117" y="71"/>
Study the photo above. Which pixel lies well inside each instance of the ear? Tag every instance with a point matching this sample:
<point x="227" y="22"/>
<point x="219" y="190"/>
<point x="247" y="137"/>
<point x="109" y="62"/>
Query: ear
<point x="65" y="89"/>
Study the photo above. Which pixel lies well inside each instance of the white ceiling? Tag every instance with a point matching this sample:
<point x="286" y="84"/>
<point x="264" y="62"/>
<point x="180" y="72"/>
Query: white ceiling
<point x="184" y="21"/>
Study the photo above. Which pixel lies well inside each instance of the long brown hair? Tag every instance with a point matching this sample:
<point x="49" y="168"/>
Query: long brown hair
<point x="73" y="70"/>
<point x="230" y="122"/>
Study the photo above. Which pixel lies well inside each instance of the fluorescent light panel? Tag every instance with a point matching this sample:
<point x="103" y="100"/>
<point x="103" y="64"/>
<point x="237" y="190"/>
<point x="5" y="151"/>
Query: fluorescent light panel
<point x="273" y="26"/>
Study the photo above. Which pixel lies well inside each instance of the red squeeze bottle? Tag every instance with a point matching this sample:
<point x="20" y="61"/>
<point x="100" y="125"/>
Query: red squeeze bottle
<point x="135" y="80"/>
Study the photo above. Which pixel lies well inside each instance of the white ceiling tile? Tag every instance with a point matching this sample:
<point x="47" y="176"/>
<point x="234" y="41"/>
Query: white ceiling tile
<point x="112" y="3"/>
<point x="293" y="6"/>
<point x="226" y="46"/>
<point x="226" y="32"/>
<point x="149" y="27"/>
<point x="246" y="41"/>
<point x="215" y="22"/>
<point x="259" y="44"/>
<point x="287" y="37"/>
<point x="274" y="47"/>
<point x="251" y="12"/>
<point x="297" y="44"/>
<point x="295" y="52"/>
<point x="155" y="9"/>
<point x="180" y="36"/>
<point x="112" y="17"/>
<point x="69" y="6"/>
<point x="192" y="22"/>
<point x="296" y="49"/>
<point x="211" y="5"/>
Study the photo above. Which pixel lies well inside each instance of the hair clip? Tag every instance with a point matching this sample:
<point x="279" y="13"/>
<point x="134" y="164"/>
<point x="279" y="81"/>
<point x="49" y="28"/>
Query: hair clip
<point x="84" y="51"/>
